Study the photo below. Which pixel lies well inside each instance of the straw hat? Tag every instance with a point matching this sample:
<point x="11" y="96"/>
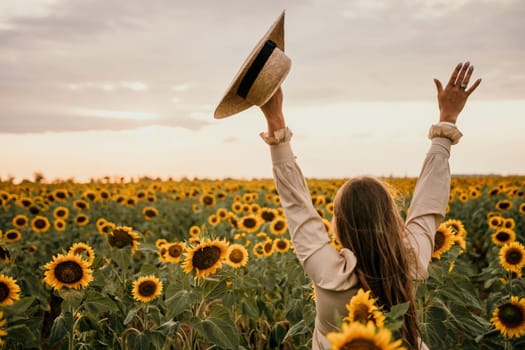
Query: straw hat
<point x="260" y="75"/>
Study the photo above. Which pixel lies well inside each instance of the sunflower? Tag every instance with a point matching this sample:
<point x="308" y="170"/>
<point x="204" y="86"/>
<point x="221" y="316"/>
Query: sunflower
<point x="512" y="256"/>
<point x="89" y="195"/>
<point x="249" y="223"/>
<point x="83" y="250"/>
<point x="195" y="231"/>
<point x="67" y="271"/>
<point x="330" y="208"/>
<point x="236" y="256"/>
<point x="9" y="290"/>
<point x="522" y="208"/>
<point x="25" y="202"/>
<point x="281" y="245"/>
<point x="268" y="247"/>
<point x="509" y="318"/>
<point x="12" y="236"/>
<point x="327" y="225"/>
<point x="457" y="227"/>
<point x="443" y="240"/>
<point x="258" y="250"/>
<point x="278" y="226"/>
<point x="3" y="323"/>
<point x="81" y="204"/>
<point x="4" y="254"/>
<point x="205" y="258"/>
<point x="233" y="220"/>
<point x="146" y="288"/>
<point x="495" y="221"/>
<point x="172" y="252"/>
<point x="81" y="220"/>
<point x="60" y="225"/>
<point x="40" y="224"/>
<point x="509" y="223"/>
<point x="222" y="214"/>
<point x="237" y="207"/>
<point x="149" y="213"/>
<point x="213" y="220"/>
<point x="106" y="228"/>
<point x="504" y="204"/>
<point x="61" y="213"/>
<point x="359" y="336"/>
<point x="20" y="221"/>
<point x="503" y="236"/>
<point x="267" y="214"/>
<point x="160" y="242"/>
<point x="362" y="308"/>
<point x="122" y="236"/>
<point x="207" y="200"/>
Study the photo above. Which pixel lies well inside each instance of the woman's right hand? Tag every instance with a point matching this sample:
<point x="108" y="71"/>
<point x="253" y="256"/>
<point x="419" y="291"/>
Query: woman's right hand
<point x="273" y="111"/>
<point x="453" y="97"/>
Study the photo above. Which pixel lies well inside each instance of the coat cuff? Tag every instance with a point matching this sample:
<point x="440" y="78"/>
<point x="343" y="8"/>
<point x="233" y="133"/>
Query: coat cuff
<point x="445" y="130"/>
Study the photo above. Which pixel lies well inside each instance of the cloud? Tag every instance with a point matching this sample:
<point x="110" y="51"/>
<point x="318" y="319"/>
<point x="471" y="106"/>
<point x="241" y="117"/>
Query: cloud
<point x="230" y="139"/>
<point x="160" y="55"/>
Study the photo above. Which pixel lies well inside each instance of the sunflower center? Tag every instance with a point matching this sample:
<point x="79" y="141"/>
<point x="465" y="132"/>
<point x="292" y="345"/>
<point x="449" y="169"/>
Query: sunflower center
<point x="40" y="224"/>
<point x="361" y="313"/>
<point x="150" y="213"/>
<point x="511" y="315"/>
<point x="4" y="291"/>
<point x="206" y="257"/>
<point x="207" y="200"/>
<point x="175" y="251"/>
<point x="279" y="225"/>
<point x="236" y="256"/>
<point x="20" y="221"/>
<point x="268" y="247"/>
<point x="120" y="239"/>
<point x="61" y="213"/>
<point x="502" y="236"/>
<point x="513" y="256"/>
<point x="360" y="344"/>
<point x="11" y="235"/>
<point x="147" y="288"/>
<point x="267" y="216"/>
<point x="250" y="222"/>
<point x="281" y="244"/>
<point x="504" y="205"/>
<point x="81" y="219"/>
<point x="439" y="240"/>
<point x="68" y="272"/>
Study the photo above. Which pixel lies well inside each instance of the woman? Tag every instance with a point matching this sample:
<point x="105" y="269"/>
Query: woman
<point x="380" y="252"/>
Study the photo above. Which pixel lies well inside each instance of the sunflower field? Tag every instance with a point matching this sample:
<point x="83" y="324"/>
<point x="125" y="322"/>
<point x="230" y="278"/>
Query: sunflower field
<point x="208" y="264"/>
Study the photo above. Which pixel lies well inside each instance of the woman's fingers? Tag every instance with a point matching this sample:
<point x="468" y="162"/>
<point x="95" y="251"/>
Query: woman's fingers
<point x="454" y="75"/>
<point x="473" y="87"/>
<point x="461" y="76"/>
<point x="439" y="87"/>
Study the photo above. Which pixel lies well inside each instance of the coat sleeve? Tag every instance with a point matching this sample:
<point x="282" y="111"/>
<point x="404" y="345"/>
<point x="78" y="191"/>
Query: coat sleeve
<point x="328" y="268"/>
<point x="428" y="205"/>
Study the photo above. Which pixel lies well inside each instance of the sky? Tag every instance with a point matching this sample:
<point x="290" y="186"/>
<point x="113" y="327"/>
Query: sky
<point x="127" y="88"/>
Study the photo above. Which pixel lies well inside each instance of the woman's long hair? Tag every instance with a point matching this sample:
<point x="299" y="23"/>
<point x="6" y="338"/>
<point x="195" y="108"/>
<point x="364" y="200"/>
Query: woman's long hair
<point x="367" y="222"/>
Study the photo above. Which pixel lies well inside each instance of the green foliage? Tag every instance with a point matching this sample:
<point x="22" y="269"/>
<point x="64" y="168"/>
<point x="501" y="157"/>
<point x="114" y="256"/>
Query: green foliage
<point x="266" y="304"/>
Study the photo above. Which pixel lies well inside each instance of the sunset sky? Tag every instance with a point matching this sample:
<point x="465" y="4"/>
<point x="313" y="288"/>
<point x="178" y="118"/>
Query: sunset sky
<point x="90" y="88"/>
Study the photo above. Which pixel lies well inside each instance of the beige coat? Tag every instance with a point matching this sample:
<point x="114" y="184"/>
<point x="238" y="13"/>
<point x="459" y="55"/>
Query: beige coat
<point x="332" y="271"/>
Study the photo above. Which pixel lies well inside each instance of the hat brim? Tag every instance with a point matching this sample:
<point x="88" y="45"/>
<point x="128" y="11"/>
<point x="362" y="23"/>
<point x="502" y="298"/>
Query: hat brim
<point x="232" y="103"/>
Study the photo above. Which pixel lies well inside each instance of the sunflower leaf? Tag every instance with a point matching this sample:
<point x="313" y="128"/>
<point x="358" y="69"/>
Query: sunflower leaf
<point x="177" y="304"/>
<point x="61" y="327"/>
<point x="138" y="341"/>
<point x="297" y="329"/>
<point x="220" y="332"/>
<point x="20" y="333"/>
